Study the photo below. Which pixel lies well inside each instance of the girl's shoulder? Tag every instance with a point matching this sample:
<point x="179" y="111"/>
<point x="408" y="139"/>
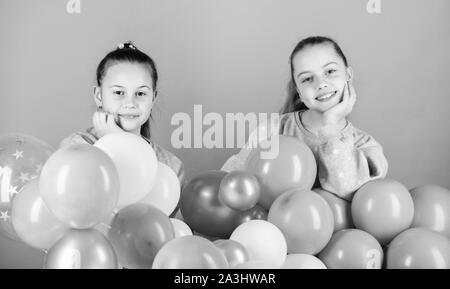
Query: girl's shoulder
<point x="290" y="124"/>
<point x="168" y="158"/>
<point x="79" y="137"/>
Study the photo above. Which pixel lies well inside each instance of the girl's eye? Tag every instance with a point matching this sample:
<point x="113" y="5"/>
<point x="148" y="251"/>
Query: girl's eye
<point x="331" y="71"/>
<point x="308" y="79"/>
<point x="119" y="92"/>
<point x="141" y="93"/>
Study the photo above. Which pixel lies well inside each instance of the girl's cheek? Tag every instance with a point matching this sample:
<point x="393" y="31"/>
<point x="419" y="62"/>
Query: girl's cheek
<point x="309" y="93"/>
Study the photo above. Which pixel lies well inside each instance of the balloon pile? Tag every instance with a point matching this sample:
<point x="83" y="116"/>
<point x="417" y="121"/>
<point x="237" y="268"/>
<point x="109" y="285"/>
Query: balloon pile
<point x="111" y="205"/>
<point x="105" y="205"/>
<point x="204" y="211"/>
<point x="383" y="226"/>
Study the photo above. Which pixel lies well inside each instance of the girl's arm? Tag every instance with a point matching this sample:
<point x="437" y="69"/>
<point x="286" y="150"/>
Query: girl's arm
<point x="237" y="162"/>
<point x="348" y="161"/>
<point x="264" y="130"/>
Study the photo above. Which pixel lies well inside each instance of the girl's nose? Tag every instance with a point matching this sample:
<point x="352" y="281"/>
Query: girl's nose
<point x="129" y="105"/>
<point x="130" y="102"/>
<point x="323" y="85"/>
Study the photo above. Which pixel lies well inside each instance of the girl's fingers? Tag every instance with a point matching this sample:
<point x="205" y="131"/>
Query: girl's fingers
<point x="110" y="120"/>
<point x="352" y="95"/>
<point x="100" y="118"/>
<point x="345" y="97"/>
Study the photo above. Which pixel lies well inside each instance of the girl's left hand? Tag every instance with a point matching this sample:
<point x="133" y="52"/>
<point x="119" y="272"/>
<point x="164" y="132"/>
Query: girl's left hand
<point x="343" y="108"/>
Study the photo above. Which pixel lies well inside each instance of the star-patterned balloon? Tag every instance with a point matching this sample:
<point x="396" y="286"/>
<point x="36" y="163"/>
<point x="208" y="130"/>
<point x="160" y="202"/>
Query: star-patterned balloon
<point x="21" y="160"/>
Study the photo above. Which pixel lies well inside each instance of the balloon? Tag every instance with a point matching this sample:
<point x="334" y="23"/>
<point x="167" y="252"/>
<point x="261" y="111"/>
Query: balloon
<point x="258" y="264"/>
<point x="303" y="261"/>
<point x="136" y="164"/>
<point x="419" y="248"/>
<point x="234" y="252"/>
<point x="341" y="210"/>
<point x="180" y="228"/>
<point x="165" y="193"/>
<point x="190" y="252"/>
<point x="352" y="249"/>
<point x="79" y="184"/>
<point x="137" y="233"/>
<point x="239" y="190"/>
<point x="203" y="211"/>
<point x="33" y="222"/>
<point x="305" y="219"/>
<point x="263" y="241"/>
<point x="293" y="167"/>
<point x="255" y="213"/>
<point x="81" y="249"/>
<point x="21" y="160"/>
<point x="432" y="208"/>
<point x="383" y="208"/>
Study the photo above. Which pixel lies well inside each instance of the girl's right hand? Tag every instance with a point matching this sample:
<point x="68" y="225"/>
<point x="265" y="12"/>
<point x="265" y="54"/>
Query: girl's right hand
<point x="105" y="123"/>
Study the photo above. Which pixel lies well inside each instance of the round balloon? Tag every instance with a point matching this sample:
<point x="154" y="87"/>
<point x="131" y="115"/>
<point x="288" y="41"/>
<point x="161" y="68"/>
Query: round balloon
<point x="383" y="208"/>
<point x="190" y="252"/>
<point x="136" y="164"/>
<point x="21" y="159"/>
<point x="234" y="252"/>
<point x="81" y="249"/>
<point x="255" y="213"/>
<point x="165" y="193"/>
<point x="303" y="261"/>
<point x="432" y="208"/>
<point x="137" y="233"/>
<point x="180" y="228"/>
<point x="79" y="184"/>
<point x="203" y="211"/>
<point x="341" y="210"/>
<point x="419" y="248"/>
<point x="263" y="242"/>
<point x="293" y="166"/>
<point x="239" y="190"/>
<point x="33" y="222"/>
<point x="352" y="249"/>
<point x="305" y="219"/>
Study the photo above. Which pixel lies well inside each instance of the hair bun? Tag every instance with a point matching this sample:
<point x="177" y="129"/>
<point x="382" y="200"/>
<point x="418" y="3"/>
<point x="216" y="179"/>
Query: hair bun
<point x="127" y="44"/>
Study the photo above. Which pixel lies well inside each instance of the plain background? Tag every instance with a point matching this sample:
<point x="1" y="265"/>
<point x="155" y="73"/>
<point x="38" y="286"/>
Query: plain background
<point x="230" y="56"/>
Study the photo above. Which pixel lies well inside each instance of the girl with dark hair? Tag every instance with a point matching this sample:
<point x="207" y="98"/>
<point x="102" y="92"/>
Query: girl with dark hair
<point x="125" y="95"/>
<point x="320" y="98"/>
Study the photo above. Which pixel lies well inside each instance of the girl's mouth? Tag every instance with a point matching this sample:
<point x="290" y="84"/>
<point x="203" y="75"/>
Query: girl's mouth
<point x="327" y="96"/>
<point x="128" y="116"/>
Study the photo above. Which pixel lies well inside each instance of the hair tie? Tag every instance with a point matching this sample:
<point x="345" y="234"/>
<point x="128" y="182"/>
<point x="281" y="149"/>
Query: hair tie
<point x="128" y="44"/>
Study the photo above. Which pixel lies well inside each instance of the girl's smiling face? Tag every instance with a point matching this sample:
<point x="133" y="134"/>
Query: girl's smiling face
<point x="320" y="75"/>
<point x="127" y="91"/>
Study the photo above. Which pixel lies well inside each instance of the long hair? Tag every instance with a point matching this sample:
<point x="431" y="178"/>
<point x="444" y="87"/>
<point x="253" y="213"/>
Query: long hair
<point x="293" y="101"/>
<point x="128" y="52"/>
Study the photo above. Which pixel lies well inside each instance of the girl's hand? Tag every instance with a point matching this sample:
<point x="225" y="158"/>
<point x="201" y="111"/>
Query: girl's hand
<point x="105" y="123"/>
<point x="335" y="114"/>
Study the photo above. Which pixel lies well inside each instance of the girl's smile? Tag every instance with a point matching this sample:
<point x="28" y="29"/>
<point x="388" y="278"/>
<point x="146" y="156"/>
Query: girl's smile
<point x="326" y="96"/>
